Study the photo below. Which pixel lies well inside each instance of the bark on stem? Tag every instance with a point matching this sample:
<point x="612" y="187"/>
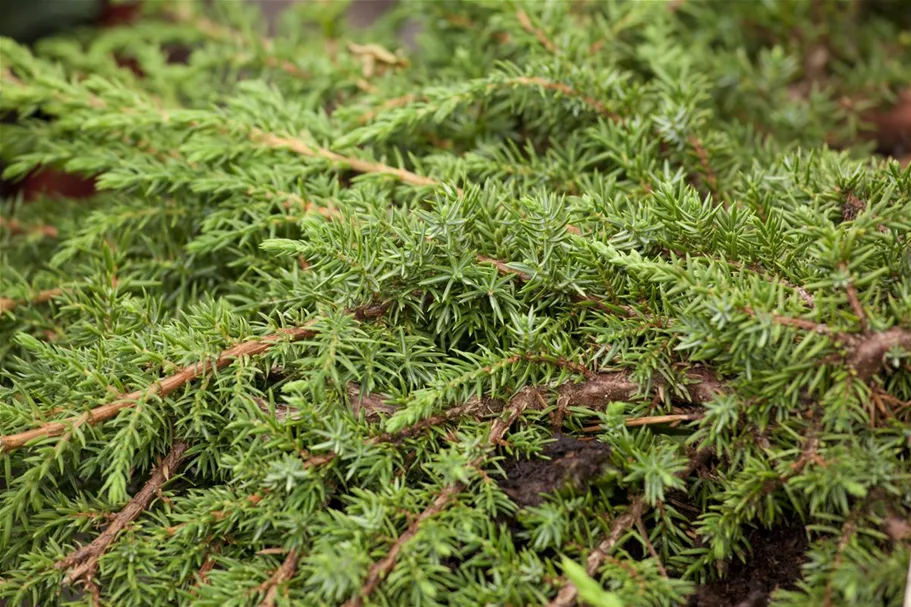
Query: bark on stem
<point x="281" y="575"/>
<point x="84" y="561"/>
<point x="161" y="388"/>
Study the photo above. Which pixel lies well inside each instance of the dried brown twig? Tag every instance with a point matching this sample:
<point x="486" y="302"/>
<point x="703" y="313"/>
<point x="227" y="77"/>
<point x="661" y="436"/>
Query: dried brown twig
<point x="538" y="33"/>
<point x="83" y="562"/>
<point x="7" y="304"/>
<point x="379" y="570"/>
<point x="282" y="574"/>
<point x="623" y="523"/>
<point x="173" y="382"/>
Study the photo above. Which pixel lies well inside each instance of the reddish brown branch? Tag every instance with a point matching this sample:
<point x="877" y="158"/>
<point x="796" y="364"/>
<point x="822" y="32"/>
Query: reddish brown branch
<point x="162" y="388"/>
<point x="852" y="207"/>
<point x="868" y="350"/>
<point x="84" y="561"/>
<point x="797" y="323"/>
<point x="389" y="104"/>
<point x="640" y="527"/>
<point x="356" y="164"/>
<point x="525" y="399"/>
<point x="868" y="355"/>
<point x="537" y="32"/>
<point x="7" y="304"/>
<point x="652" y="420"/>
<point x="567" y="90"/>
<point x="379" y="570"/>
<point x="374" y="406"/>
<point x="474" y="407"/>
<point x="504" y="270"/>
<point x="495" y="435"/>
<point x="16" y="228"/>
<point x="623" y="523"/>
<point x="202" y="576"/>
<point x="710" y="178"/>
<point x="567" y="595"/>
<point x="537" y="81"/>
<point x="619" y="386"/>
<point x="281" y="575"/>
<point x="274" y="141"/>
<point x="848" y="529"/>
<point x="854" y="301"/>
<point x="809" y="453"/>
<point x="169" y="384"/>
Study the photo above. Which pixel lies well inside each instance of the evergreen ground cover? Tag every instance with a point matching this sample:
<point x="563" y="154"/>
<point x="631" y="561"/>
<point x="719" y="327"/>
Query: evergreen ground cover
<point x="572" y="302"/>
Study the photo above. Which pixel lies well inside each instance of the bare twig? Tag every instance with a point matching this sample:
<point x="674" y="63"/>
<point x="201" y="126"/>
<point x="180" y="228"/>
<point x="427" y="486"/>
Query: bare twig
<point x="633" y="422"/>
<point x="567" y="595"/>
<point x="173" y="382"/>
<point x="854" y="301"/>
<point x="83" y="562"/>
<point x="640" y="526"/>
<point x="474" y="407"/>
<point x="361" y="166"/>
<point x="281" y="575"/>
<point x="868" y="355"/>
<point x="535" y="81"/>
<point x="619" y="386"/>
<point x="848" y="529"/>
<point x="380" y="569"/>
<point x="797" y="323"/>
<point x="16" y="228"/>
<point x="374" y="406"/>
<point x="297" y="146"/>
<point x="567" y="90"/>
<point x="868" y="349"/>
<point x="202" y="576"/>
<point x="7" y="304"/>
<point x="163" y="387"/>
<point x="852" y="207"/>
<point x="503" y="268"/>
<point x="520" y="402"/>
<point x="710" y="178"/>
<point x="537" y="32"/>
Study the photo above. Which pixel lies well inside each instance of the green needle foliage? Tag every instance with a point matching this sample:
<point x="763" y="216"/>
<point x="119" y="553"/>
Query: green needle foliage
<point x="608" y="294"/>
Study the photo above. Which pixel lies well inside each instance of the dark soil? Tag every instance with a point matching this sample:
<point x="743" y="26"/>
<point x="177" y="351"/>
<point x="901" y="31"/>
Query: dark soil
<point x="774" y="562"/>
<point x="571" y="463"/>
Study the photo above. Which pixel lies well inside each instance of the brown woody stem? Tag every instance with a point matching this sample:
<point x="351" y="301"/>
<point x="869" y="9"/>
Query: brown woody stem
<point x="380" y="569"/>
<point x="84" y="561"/>
<point x="567" y="595"/>
<point x="163" y="387"/>
<point x="7" y="304"/>
<point x="281" y="575"/>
